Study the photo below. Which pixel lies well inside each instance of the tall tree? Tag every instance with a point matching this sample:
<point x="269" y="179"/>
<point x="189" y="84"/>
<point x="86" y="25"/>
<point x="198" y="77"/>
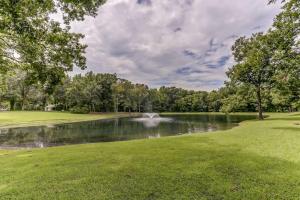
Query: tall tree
<point x="140" y="91"/>
<point x="286" y="56"/>
<point x="253" y="57"/>
<point x="18" y="88"/>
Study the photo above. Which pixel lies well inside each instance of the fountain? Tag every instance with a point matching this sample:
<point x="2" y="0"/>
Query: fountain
<point x="151" y="119"/>
<point x="151" y="115"/>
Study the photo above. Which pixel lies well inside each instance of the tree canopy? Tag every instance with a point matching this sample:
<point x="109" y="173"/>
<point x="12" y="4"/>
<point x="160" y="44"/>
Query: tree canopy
<point x="32" y="41"/>
<point x="253" y="57"/>
<point x="270" y="61"/>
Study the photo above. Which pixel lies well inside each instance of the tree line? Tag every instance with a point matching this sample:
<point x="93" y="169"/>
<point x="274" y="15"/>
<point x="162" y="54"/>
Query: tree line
<point x="94" y="92"/>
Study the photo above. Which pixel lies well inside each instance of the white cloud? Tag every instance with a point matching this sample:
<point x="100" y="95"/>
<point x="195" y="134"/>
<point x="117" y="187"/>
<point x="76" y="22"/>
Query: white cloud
<point x="184" y="43"/>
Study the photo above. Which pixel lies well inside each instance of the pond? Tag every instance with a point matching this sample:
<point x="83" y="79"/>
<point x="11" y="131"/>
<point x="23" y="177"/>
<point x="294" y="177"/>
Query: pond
<point x="116" y="130"/>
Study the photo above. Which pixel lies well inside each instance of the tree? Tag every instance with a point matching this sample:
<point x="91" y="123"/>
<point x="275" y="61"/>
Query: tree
<point x="153" y="102"/>
<point x="169" y="96"/>
<point x="129" y="103"/>
<point x="60" y="94"/>
<point x="118" y="91"/>
<point x="32" y="41"/>
<point x="18" y="90"/>
<point x="92" y="92"/>
<point x="286" y="58"/>
<point x="120" y="94"/>
<point x="215" y="101"/>
<point x="237" y="98"/>
<point x="253" y="57"/>
<point x="103" y="91"/>
<point x="140" y="92"/>
<point x="195" y="102"/>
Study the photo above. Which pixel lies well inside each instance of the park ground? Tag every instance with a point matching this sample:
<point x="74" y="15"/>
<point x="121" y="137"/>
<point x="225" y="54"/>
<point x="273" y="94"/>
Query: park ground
<point x="256" y="160"/>
<point x="27" y="118"/>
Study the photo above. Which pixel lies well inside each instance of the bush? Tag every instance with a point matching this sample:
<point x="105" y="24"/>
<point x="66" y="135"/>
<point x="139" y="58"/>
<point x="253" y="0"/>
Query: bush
<point x="80" y="110"/>
<point x="59" y="107"/>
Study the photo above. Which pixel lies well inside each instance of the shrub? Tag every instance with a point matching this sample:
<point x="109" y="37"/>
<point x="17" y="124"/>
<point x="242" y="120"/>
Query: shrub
<point x="80" y="110"/>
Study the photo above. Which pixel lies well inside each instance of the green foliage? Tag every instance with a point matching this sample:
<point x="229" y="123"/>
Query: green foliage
<point x="214" y="100"/>
<point x="80" y="110"/>
<point x="108" y="93"/>
<point x="270" y="62"/>
<point x="93" y="91"/>
<point x="286" y="59"/>
<point x="196" y="102"/>
<point x="238" y="98"/>
<point x="253" y="57"/>
<point x="32" y="41"/>
<point x="18" y="89"/>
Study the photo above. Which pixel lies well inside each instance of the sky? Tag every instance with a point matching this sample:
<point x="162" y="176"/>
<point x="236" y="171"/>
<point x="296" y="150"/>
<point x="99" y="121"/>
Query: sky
<point x="182" y="43"/>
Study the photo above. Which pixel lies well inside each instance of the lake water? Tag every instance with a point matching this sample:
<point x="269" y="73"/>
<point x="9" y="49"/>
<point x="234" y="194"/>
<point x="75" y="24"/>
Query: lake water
<point x="116" y="130"/>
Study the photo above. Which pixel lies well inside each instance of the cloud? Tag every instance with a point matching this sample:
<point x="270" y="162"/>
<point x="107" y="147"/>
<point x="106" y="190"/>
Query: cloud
<point x="144" y="2"/>
<point x="184" y="43"/>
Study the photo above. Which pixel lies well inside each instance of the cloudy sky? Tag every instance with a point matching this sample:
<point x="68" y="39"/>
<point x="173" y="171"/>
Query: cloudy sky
<point x="184" y="43"/>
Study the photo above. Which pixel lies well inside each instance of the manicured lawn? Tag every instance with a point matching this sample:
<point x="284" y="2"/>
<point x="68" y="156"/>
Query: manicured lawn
<point x="19" y="118"/>
<point x="257" y="160"/>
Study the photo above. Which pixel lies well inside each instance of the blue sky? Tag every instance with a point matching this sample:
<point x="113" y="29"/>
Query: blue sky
<point x="183" y="43"/>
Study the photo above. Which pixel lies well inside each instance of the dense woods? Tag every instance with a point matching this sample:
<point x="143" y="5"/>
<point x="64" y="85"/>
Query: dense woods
<point x="108" y="93"/>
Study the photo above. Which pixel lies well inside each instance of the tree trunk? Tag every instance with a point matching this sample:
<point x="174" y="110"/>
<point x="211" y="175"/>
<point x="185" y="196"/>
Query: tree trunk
<point x="116" y="104"/>
<point x="290" y="109"/>
<point x="22" y="106"/>
<point x="259" y="106"/>
<point x="23" y="103"/>
<point x="12" y="104"/>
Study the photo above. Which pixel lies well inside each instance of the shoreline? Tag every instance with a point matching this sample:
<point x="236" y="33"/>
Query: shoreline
<point x="53" y="122"/>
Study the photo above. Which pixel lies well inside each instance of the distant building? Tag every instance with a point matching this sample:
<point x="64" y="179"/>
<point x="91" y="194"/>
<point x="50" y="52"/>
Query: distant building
<point x="4" y="109"/>
<point x="49" y="108"/>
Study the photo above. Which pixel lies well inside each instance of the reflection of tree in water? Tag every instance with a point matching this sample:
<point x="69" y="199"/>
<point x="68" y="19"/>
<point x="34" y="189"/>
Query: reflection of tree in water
<point x="114" y="130"/>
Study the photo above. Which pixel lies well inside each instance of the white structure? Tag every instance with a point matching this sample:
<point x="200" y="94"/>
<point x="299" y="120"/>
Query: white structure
<point x="49" y="108"/>
<point x="151" y="115"/>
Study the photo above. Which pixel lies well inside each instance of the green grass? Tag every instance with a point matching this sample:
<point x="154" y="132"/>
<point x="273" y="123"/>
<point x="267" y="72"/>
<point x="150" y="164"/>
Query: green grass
<point x="257" y="160"/>
<point x="21" y="118"/>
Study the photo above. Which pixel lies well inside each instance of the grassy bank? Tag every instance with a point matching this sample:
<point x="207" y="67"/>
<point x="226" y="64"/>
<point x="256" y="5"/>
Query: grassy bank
<point x="21" y="118"/>
<point x="257" y="160"/>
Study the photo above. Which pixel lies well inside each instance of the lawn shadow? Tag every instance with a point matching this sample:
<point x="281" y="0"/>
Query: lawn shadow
<point x="284" y="119"/>
<point x="288" y="128"/>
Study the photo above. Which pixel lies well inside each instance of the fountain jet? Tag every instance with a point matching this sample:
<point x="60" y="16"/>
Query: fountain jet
<point x="151" y="119"/>
<point x="151" y="115"/>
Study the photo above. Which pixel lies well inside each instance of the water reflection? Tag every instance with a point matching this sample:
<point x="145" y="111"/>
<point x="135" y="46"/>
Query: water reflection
<point x="115" y="130"/>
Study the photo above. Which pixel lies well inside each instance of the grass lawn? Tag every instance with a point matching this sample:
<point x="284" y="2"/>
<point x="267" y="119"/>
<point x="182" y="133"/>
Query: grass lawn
<point x="21" y="118"/>
<point x="257" y="160"/>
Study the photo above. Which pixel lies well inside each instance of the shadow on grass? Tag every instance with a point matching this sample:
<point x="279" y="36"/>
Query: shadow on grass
<point x="284" y="119"/>
<point x="288" y="128"/>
